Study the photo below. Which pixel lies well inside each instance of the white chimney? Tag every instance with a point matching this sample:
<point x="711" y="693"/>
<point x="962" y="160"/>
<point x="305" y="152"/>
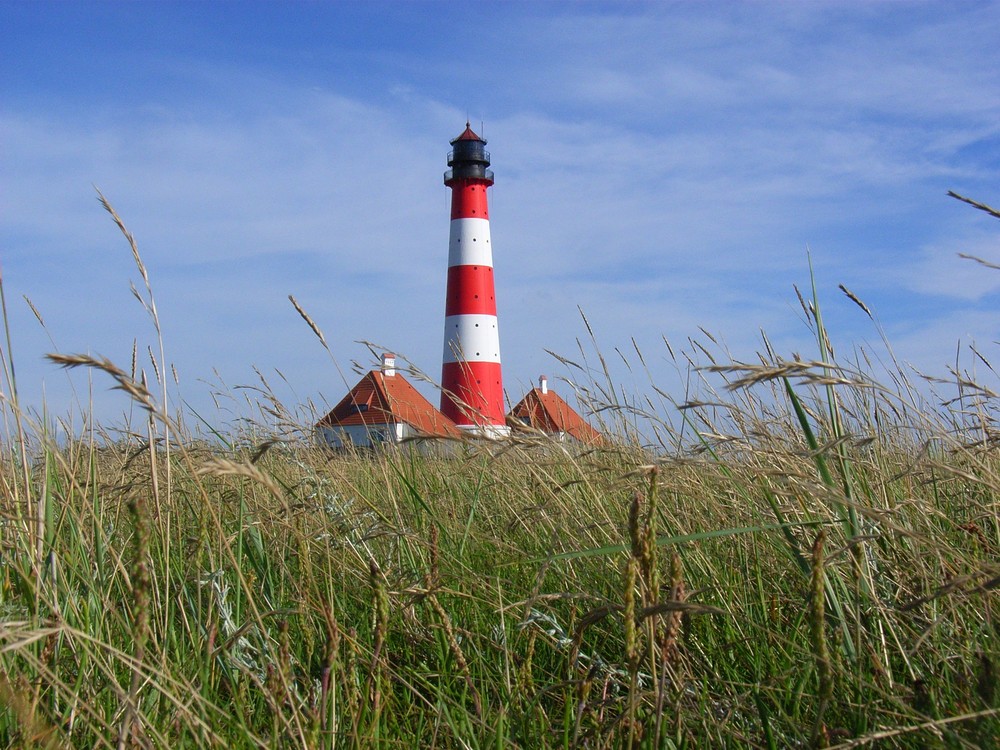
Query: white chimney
<point x="543" y="384"/>
<point x="389" y="364"/>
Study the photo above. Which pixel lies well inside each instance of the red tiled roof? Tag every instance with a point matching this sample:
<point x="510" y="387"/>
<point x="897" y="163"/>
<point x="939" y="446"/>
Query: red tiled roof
<point x="379" y="400"/>
<point x="549" y="413"/>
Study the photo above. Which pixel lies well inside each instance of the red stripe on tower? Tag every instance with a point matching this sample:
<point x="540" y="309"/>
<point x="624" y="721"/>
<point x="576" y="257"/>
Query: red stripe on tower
<point x="472" y="386"/>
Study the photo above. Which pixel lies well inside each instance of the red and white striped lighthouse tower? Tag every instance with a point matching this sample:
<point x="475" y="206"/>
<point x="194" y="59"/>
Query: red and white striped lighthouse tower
<point x="472" y="386"/>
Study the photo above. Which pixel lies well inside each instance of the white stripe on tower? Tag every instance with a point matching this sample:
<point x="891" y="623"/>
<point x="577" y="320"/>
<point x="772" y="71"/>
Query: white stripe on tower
<point x="471" y="378"/>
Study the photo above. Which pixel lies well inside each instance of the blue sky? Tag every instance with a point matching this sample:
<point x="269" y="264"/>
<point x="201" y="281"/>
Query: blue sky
<point x="666" y="167"/>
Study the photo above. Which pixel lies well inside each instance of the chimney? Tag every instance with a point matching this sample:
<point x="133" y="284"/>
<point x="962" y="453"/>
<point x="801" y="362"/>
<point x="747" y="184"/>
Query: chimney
<point x="543" y="384"/>
<point x="389" y="364"/>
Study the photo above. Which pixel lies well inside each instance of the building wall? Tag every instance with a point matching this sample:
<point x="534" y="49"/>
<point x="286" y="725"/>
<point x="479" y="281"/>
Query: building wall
<point x="364" y="436"/>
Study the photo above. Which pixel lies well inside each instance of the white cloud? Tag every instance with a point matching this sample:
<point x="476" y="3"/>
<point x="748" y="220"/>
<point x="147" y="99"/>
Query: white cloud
<point x="940" y="271"/>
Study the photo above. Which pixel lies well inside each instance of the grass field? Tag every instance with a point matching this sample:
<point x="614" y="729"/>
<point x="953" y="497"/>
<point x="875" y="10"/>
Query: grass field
<point x="805" y="558"/>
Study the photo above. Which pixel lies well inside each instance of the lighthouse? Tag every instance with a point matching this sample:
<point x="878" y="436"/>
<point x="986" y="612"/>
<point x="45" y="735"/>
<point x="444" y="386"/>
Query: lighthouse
<point x="471" y="381"/>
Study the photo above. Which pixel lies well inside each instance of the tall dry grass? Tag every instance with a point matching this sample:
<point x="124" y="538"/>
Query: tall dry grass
<point x="796" y="555"/>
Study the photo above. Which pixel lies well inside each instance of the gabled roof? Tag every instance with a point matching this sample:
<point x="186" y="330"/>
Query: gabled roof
<point x="549" y="413"/>
<point x="379" y="399"/>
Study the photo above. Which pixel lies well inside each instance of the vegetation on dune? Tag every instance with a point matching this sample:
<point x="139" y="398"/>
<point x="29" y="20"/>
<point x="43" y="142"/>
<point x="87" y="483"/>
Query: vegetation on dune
<point x="805" y="558"/>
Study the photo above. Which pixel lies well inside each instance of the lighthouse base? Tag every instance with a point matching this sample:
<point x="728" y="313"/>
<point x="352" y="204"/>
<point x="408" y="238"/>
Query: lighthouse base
<point x="486" y="431"/>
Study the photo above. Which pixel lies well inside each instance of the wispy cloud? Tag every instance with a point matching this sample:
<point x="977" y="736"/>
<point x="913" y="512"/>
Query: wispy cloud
<point x="939" y="270"/>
